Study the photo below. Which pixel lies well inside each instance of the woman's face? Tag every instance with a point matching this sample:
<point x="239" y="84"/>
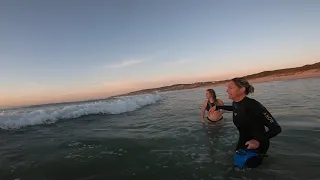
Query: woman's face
<point x="234" y="91"/>
<point x="208" y="95"/>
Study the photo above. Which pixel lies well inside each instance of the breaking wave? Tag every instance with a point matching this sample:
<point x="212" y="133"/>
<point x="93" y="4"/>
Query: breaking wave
<point x="15" y="119"/>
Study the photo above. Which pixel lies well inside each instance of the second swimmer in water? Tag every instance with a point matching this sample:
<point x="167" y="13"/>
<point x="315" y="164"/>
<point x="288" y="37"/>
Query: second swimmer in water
<point x="213" y="116"/>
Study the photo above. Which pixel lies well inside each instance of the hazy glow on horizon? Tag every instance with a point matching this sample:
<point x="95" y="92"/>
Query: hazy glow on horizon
<point x="80" y="50"/>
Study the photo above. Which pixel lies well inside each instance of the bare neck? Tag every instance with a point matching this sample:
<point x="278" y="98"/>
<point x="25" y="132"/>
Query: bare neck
<point x="211" y="99"/>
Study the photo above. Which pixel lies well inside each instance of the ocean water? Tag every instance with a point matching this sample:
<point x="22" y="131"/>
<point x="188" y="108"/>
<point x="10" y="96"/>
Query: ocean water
<point x="158" y="136"/>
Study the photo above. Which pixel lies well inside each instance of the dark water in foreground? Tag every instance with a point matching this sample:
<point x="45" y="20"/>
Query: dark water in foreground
<point x="165" y="140"/>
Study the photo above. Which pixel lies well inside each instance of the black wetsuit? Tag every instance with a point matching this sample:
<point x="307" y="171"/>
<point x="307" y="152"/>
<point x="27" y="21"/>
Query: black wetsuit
<point x="251" y="118"/>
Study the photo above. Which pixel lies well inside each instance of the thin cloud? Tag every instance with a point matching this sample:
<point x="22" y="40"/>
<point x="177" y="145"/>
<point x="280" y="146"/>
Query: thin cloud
<point x="182" y="61"/>
<point x="179" y="61"/>
<point x="125" y="64"/>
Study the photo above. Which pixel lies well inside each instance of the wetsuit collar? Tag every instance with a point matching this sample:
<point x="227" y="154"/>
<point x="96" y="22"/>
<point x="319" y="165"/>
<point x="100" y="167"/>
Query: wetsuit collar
<point x="240" y="99"/>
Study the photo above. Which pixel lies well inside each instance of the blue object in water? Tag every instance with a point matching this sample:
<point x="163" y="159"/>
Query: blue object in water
<point x="241" y="156"/>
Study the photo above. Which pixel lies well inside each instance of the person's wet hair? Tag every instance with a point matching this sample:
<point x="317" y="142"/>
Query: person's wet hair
<point x="213" y="94"/>
<point x="243" y="83"/>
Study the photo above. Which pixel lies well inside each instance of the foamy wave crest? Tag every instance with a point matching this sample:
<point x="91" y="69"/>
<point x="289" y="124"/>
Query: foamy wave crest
<point x="46" y="115"/>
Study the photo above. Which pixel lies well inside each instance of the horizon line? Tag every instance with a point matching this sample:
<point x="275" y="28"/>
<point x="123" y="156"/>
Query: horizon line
<point x="128" y="93"/>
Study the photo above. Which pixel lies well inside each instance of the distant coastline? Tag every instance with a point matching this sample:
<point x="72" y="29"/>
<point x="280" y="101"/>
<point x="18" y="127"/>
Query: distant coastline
<point x="307" y="71"/>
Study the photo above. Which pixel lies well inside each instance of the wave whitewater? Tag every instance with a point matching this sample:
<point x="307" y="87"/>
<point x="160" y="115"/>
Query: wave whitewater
<point x="47" y="115"/>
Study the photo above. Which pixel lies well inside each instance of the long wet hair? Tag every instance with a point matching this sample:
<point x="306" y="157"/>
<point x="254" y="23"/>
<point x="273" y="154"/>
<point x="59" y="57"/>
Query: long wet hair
<point x="213" y="94"/>
<point x="243" y="83"/>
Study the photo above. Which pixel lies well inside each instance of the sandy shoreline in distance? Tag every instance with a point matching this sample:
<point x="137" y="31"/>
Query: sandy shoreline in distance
<point x="297" y="75"/>
<point x="276" y="75"/>
<point x="280" y="77"/>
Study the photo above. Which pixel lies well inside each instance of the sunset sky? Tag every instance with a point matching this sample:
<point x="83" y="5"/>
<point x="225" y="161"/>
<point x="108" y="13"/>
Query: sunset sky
<point x="67" y="50"/>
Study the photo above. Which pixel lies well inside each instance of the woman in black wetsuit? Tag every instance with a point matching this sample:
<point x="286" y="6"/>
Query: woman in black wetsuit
<point x="250" y="117"/>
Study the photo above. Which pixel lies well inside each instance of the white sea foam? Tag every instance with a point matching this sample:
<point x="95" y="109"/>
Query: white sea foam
<point x="46" y="115"/>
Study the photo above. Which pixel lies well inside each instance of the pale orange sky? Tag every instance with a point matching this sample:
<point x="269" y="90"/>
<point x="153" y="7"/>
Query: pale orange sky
<point x="41" y="94"/>
<point x="50" y="95"/>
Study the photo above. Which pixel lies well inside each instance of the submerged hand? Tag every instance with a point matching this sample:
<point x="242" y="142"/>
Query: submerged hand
<point x="203" y="122"/>
<point x="252" y="144"/>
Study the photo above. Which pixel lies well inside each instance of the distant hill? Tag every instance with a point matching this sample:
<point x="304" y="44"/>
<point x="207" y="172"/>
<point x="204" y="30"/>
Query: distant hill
<point x="287" y="71"/>
<point x="264" y="74"/>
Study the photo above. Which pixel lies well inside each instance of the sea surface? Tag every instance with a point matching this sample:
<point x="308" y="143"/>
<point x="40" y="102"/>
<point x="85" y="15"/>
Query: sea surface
<point x="158" y="136"/>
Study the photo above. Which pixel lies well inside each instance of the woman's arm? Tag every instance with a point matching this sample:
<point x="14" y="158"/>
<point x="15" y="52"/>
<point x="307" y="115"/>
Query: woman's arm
<point x="227" y="108"/>
<point x="220" y="103"/>
<point x="203" y="111"/>
<point x="264" y="116"/>
<point x="260" y="115"/>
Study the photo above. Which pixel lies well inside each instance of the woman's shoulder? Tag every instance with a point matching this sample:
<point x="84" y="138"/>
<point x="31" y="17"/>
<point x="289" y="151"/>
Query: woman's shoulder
<point x="219" y="102"/>
<point x="254" y="103"/>
<point x="251" y="101"/>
